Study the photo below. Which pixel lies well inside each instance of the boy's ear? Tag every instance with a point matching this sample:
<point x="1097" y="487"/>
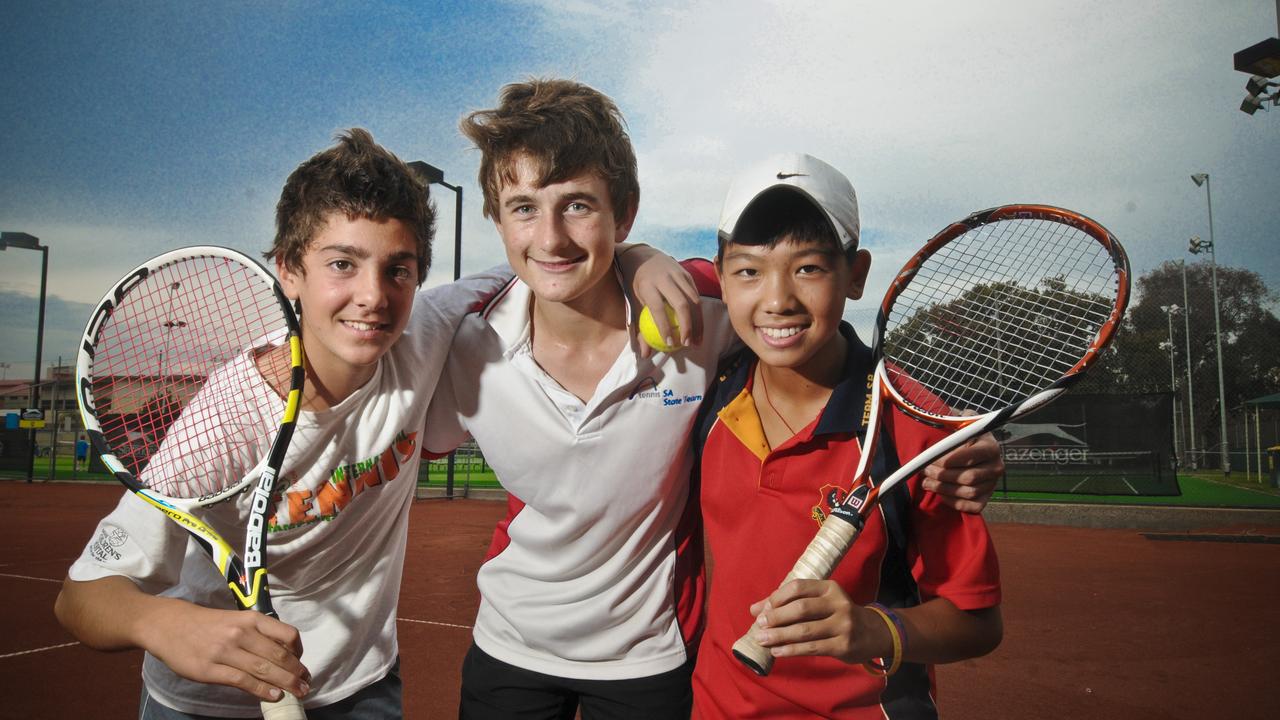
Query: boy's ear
<point x="288" y="279"/>
<point x="859" y="266"/>
<point x="624" y="225"/>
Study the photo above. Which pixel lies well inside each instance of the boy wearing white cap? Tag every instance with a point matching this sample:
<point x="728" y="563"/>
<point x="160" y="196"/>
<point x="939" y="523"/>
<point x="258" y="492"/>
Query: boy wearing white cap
<point x="776" y="435"/>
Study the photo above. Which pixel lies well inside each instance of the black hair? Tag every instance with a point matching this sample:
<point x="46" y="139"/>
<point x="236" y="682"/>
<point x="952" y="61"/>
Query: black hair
<point x="782" y="213"/>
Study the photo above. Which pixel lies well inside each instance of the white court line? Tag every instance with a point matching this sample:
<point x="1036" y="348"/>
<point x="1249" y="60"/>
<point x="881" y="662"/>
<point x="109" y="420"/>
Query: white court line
<point x="28" y="652"/>
<point x="1075" y="487"/>
<point x="430" y="622"/>
<point x="28" y="577"/>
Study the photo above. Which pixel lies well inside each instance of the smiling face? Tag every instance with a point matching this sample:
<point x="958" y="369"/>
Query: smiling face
<point x="785" y="300"/>
<point x="560" y="238"/>
<point x="356" y="287"/>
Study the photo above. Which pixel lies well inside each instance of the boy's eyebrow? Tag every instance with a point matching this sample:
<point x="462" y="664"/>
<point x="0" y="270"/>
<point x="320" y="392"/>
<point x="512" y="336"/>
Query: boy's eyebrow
<point x="355" y="250"/>
<point x="733" y="254"/>
<point x="516" y="200"/>
<point x="527" y="199"/>
<point x="807" y="249"/>
<point x="581" y="195"/>
<point x="363" y="253"/>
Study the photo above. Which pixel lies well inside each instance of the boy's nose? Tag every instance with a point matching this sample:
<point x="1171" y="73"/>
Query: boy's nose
<point x="371" y="291"/>
<point x="779" y="295"/>
<point x="551" y="233"/>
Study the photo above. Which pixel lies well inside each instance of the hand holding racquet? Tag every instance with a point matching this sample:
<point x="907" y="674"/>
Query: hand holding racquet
<point x="189" y="379"/>
<point x="997" y="315"/>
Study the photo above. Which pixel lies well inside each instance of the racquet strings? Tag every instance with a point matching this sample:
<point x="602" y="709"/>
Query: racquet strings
<point x="178" y="370"/>
<point x="998" y="314"/>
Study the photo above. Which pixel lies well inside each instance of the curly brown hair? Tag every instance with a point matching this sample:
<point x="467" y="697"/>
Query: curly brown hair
<point x="566" y="128"/>
<point x="361" y="179"/>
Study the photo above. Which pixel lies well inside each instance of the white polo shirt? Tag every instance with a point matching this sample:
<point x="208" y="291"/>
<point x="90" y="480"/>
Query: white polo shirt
<point x="589" y="576"/>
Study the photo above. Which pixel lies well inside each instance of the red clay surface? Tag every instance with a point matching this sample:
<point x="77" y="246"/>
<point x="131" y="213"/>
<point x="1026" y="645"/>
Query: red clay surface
<point x="1098" y="623"/>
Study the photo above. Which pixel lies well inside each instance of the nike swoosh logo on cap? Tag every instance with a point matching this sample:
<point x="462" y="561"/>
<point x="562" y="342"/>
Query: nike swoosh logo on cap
<point x="784" y="176"/>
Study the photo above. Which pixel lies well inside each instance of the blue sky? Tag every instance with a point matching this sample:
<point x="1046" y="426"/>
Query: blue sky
<point x="131" y="128"/>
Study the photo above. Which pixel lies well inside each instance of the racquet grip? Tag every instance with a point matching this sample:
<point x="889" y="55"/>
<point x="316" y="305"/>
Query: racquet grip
<point x="818" y="561"/>
<point x="286" y="708"/>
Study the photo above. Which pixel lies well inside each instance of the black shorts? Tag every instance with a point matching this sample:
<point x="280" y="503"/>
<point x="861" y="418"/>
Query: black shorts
<point x="494" y="690"/>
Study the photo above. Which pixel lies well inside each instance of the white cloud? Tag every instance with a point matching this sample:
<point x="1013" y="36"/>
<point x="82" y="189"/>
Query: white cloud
<point x="935" y="109"/>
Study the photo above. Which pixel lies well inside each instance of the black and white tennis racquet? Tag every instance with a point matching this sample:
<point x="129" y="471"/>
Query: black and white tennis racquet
<point x="163" y="379"/>
<point x="997" y="315"/>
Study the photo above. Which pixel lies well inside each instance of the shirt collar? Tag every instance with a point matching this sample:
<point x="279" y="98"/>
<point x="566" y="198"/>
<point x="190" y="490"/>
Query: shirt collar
<point x="846" y="410"/>
<point x="510" y="312"/>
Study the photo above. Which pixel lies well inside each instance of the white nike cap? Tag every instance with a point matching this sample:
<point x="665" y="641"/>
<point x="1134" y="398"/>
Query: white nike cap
<point x="824" y="186"/>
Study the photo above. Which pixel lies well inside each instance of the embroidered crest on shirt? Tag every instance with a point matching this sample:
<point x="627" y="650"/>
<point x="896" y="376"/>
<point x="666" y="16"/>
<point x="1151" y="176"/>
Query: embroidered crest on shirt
<point x="829" y="496"/>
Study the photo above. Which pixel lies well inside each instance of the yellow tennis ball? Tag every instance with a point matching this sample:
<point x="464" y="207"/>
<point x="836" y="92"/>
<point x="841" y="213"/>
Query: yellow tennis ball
<point x="649" y="331"/>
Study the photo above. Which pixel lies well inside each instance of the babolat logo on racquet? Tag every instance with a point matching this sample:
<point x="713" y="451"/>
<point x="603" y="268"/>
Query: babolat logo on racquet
<point x="995" y="316"/>
<point x="257" y="519"/>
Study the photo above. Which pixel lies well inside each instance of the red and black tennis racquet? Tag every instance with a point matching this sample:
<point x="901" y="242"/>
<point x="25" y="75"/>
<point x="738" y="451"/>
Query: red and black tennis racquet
<point x="165" y="380"/>
<point x="997" y="315"/>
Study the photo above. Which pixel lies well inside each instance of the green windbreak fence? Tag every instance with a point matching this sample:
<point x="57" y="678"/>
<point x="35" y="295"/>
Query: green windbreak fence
<point x="1093" y="444"/>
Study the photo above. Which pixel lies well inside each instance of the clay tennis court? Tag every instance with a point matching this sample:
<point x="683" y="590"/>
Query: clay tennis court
<point x="1098" y="623"/>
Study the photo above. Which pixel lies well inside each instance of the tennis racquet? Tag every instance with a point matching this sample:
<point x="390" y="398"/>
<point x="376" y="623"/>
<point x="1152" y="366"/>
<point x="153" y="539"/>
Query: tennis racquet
<point x="997" y="315"/>
<point x="165" y="379"/>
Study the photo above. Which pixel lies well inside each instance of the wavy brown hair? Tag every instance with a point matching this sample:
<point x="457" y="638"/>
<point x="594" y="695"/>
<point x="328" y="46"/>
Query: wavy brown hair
<point x="566" y="128"/>
<point x="360" y="179"/>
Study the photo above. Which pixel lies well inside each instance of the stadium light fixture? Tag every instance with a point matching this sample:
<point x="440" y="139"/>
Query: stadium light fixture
<point x="31" y="242"/>
<point x="1258" y="85"/>
<point x="1198" y="246"/>
<point x="1257" y="97"/>
<point x="1260" y="58"/>
<point x="435" y="176"/>
<point x="1261" y="61"/>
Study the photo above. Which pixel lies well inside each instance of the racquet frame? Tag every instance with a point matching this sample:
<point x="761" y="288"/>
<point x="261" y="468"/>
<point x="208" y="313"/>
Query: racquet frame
<point x="245" y="575"/>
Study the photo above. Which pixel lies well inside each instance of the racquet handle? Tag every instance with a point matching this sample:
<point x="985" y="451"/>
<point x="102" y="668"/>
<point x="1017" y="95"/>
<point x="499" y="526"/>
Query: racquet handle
<point x="818" y="561"/>
<point x="286" y="708"/>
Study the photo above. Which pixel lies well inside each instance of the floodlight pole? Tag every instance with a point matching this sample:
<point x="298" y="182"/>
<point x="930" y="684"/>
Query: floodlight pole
<point x="1169" y="310"/>
<point x="435" y="176"/>
<point x="1191" y="403"/>
<point x="30" y="242"/>
<point x="1203" y="179"/>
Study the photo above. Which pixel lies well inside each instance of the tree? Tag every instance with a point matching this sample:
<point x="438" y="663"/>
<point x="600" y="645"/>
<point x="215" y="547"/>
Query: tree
<point x="1138" y="361"/>
<point x="994" y="345"/>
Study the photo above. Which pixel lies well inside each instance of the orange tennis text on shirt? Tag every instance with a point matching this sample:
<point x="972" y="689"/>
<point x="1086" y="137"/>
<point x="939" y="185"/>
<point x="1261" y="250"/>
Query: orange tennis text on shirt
<point x="346" y="482"/>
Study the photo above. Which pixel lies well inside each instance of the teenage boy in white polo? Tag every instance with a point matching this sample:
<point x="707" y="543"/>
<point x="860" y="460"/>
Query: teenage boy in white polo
<point x="592" y="587"/>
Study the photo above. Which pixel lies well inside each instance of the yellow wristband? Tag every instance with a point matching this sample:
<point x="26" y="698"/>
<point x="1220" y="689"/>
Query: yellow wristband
<point x="880" y="669"/>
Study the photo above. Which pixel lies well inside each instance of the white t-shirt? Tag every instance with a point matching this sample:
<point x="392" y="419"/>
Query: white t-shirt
<point x="336" y="542"/>
<point x="585" y="578"/>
